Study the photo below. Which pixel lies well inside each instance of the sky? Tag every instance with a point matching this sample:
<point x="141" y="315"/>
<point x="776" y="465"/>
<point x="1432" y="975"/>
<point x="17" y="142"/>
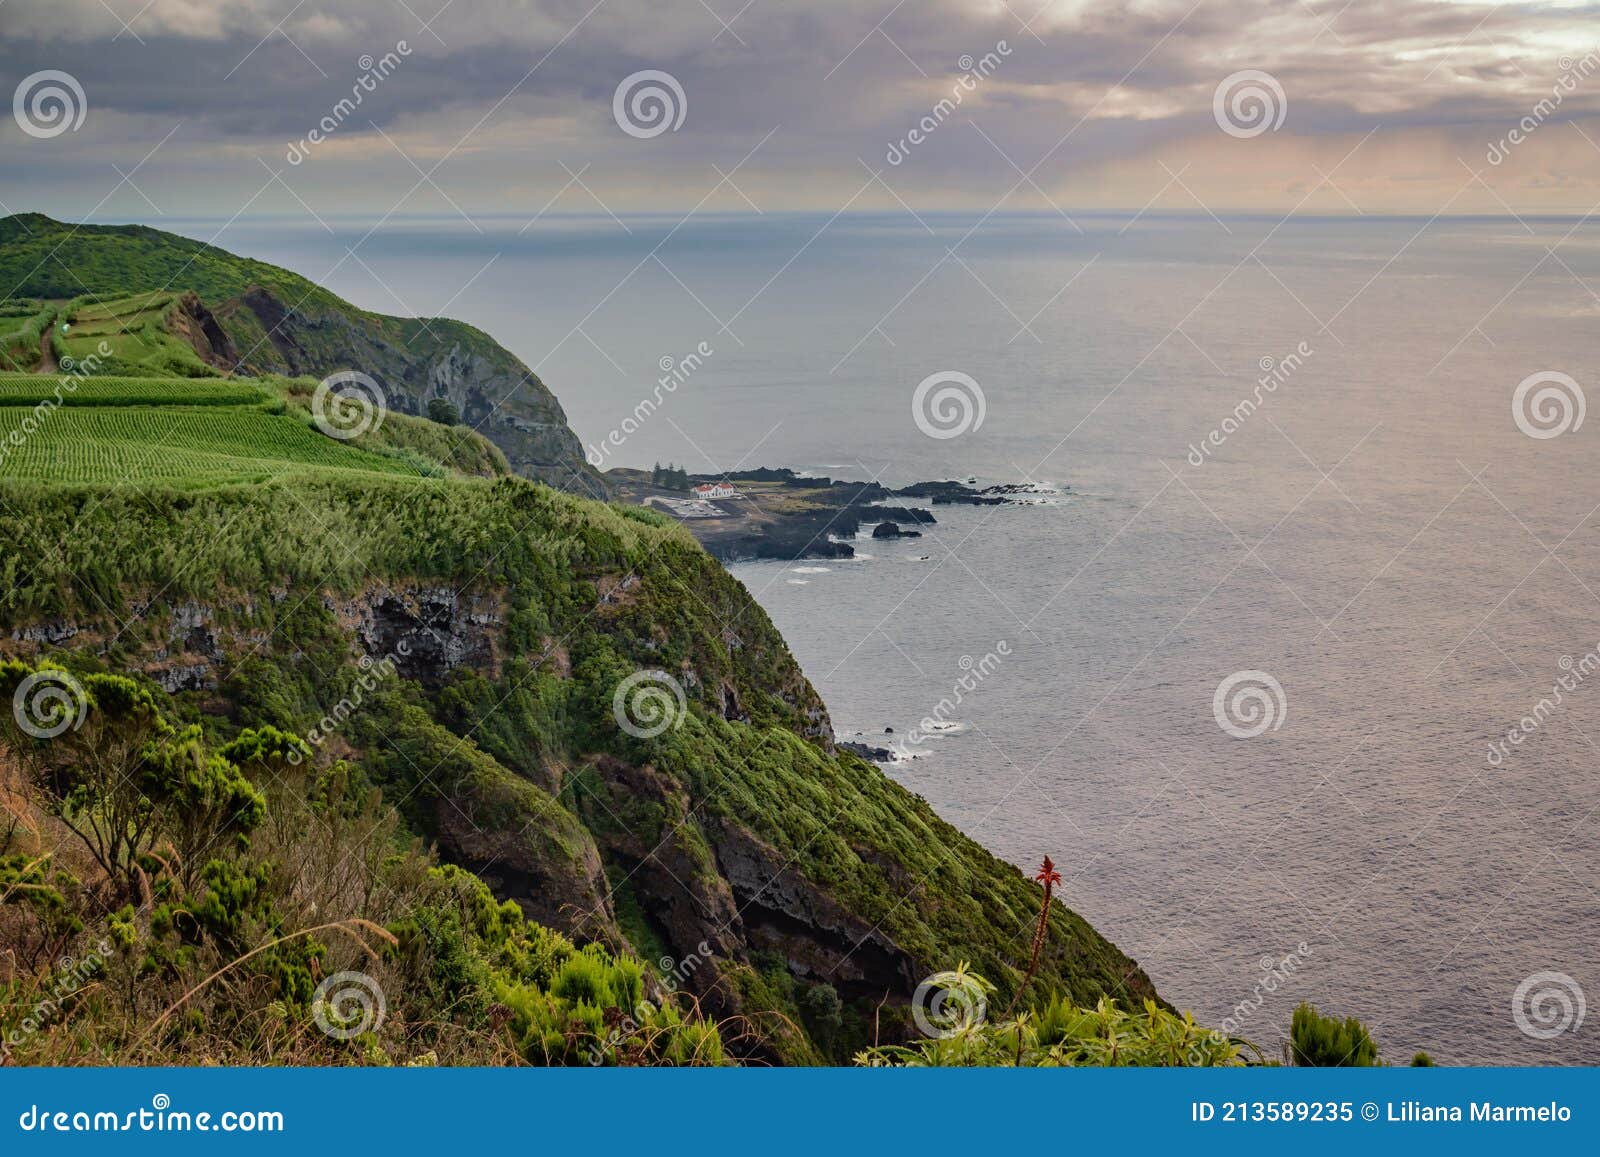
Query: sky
<point x="223" y="107"/>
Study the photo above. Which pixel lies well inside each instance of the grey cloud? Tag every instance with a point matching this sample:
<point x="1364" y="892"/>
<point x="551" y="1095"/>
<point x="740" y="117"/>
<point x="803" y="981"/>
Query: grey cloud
<point x="839" y="88"/>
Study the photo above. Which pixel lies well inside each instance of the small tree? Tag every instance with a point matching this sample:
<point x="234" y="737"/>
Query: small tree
<point x="118" y="774"/>
<point x="1326" y="1042"/>
<point x="443" y="411"/>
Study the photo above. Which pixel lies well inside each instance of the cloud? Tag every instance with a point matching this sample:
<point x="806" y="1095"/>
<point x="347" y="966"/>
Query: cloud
<point x="1094" y="104"/>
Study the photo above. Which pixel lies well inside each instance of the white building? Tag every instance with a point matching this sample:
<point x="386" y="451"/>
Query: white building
<point x="715" y="490"/>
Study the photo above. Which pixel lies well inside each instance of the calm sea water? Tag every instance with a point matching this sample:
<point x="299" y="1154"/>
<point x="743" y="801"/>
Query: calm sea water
<point x="1379" y="537"/>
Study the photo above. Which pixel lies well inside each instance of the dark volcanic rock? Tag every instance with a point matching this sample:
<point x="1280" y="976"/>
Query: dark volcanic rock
<point x="868" y="752"/>
<point x="890" y="530"/>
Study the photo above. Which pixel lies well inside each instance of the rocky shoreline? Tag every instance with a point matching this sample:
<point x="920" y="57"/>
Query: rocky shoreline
<point x="778" y="514"/>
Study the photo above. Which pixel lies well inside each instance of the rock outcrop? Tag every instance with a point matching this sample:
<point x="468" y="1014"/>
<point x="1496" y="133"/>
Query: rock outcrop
<point x="414" y="361"/>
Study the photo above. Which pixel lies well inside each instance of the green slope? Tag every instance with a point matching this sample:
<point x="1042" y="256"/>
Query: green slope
<point x="250" y="572"/>
<point x="175" y="306"/>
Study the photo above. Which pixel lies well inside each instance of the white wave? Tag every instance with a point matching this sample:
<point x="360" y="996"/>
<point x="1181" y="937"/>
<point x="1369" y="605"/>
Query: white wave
<point x="810" y="569"/>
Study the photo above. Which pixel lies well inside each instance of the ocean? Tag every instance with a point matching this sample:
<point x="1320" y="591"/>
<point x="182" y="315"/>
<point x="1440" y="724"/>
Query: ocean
<point x="1290" y="459"/>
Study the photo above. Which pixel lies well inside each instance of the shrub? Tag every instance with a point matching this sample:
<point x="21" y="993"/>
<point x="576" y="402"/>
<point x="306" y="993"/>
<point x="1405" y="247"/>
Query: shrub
<point x="1326" y="1042"/>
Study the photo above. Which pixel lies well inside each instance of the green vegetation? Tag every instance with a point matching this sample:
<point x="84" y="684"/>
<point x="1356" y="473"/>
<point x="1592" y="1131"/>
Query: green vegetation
<point x="362" y="706"/>
<point x="1317" y="1041"/>
<point x="145" y="303"/>
<point x="222" y="911"/>
<point x="31" y="389"/>
<point x="22" y="326"/>
<point x="138" y="331"/>
<point x="116" y="275"/>
<point x="443" y="411"/>
<point x="669" y="477"/>
<point x="1057" y="1035"/>
<point x="178" y="446"/>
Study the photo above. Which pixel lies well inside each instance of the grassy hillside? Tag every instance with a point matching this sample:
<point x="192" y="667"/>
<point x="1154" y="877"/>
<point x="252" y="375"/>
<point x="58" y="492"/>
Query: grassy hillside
<point x="32" y="389"/>
<point x="248" y="573"/>
<point x="172" y="306"/>
<point x="289" y="706"/>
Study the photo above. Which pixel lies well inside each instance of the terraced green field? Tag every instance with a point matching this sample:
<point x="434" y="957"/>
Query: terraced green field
<point x="186" y="447"/>
<point x="31" y="389"/>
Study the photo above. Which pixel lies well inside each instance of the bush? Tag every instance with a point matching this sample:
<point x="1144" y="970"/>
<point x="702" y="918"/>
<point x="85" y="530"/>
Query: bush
<point x="443" y="411"/>
<point x="1326" y="1042"/>
<point x="1060" y="1034"/>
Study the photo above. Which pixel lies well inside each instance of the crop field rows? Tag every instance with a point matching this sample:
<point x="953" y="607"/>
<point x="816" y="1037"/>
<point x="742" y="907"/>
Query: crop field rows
<point x="31" y="389"/>
<point x="175" y="445"/>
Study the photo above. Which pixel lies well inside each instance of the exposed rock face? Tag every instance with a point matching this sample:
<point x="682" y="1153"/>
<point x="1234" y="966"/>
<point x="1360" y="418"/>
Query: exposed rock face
<point x="427" y="632"/>
<point x="784" y="912"/>
<point x="197" y="325"/>
<point x="414" y="361"/>
<point x="510" y="834"/>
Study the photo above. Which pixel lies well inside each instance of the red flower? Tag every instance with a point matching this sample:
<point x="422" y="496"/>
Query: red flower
<point x="1047" y="874"/>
